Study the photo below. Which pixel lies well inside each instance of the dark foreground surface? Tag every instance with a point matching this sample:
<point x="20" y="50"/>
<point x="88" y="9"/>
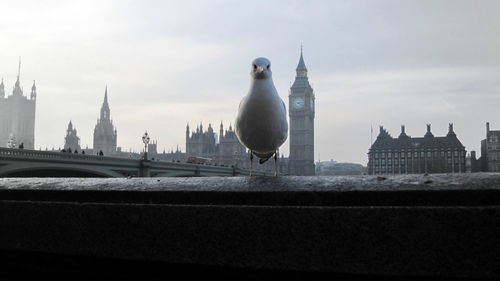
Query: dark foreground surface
<point x="262" y="228"/>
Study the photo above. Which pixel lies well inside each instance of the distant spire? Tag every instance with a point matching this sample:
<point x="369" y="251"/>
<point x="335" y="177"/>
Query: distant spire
<point x="33" y="91"/>
<point x="19" y="69"/>
<point x="17" y="87"/>
<point x="106" y="95"/>
<point x="2" y="90"/>
<point x="301" y="66"/>
<point x="105" y="111"/>
<point x="301" y="79"/>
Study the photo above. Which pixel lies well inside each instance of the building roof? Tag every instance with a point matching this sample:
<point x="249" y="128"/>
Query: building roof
<point x="386" y="141"/>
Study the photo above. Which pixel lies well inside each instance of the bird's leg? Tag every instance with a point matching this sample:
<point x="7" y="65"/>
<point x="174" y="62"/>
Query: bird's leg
<point x="276" y="163"/>
<point x="251" y="162"/>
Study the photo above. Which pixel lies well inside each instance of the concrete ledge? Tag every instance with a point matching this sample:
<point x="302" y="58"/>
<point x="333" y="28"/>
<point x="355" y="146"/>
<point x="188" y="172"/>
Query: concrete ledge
<point x="439" y="226"/>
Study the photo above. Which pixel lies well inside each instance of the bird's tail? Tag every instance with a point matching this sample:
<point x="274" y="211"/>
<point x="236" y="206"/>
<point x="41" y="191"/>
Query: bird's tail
<point x="263" y="157"/>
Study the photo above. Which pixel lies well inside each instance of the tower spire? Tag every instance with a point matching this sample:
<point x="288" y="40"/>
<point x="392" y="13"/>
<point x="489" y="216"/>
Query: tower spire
<point x="2" y="90"/>
<point x="105" y="112"/>
<point x="106" y="95"/>
<point x="33" y="91"/>
<point x="17" y="86"/>
<point x="301" y="67"/>
<point x="19" y="69"/>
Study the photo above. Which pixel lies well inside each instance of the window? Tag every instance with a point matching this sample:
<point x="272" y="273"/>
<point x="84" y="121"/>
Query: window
<point x="429" y="154"/>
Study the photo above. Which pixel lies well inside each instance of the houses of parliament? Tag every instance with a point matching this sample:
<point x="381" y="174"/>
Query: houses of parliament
<point x="220" y="145"/>
<point x="17" y="115"/>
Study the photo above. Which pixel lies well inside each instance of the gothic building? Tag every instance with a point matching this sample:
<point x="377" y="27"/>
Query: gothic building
<point x="71" y="140"/>
<point x="17" y="115"/>
<point x="223" y="148"/>
<point x="490" y="153"/>
<point x="201" y="143"/>
<point x="230" y="149"/>
<point x="407" y="155"/>
<point x="301" y="112"/>
<point x="105" y="132"/>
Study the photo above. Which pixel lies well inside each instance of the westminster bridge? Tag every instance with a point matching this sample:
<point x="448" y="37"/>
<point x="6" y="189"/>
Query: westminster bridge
<point x="35" y="163"/>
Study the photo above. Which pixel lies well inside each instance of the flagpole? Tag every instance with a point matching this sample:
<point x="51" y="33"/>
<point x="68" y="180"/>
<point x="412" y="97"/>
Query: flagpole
<point x="371" y="135"/>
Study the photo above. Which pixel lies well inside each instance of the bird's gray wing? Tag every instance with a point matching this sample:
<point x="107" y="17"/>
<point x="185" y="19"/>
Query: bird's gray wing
<point x="284" y="107"/>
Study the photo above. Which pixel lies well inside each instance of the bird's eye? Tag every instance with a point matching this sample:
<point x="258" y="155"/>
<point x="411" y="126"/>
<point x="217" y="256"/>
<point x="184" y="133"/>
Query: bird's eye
<point x="254" y="66"/>
<point x="268" y="66"/>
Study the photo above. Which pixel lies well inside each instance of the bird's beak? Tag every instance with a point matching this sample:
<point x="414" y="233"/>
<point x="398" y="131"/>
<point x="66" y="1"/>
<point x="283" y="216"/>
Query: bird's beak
<point x="260" y="69"/>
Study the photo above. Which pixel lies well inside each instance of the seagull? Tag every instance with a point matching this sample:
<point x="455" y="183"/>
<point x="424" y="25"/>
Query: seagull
<point x="261" y="123"/>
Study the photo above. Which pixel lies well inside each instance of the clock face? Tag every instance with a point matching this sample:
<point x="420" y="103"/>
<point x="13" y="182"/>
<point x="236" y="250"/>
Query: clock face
<point x="298" y="103"/>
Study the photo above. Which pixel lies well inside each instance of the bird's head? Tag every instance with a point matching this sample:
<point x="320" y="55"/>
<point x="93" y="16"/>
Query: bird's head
<point x="261" y="68"/>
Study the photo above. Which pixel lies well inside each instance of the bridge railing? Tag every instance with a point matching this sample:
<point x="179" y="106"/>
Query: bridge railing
<point x="157" y="167"/>
<point x="13" y="153"/>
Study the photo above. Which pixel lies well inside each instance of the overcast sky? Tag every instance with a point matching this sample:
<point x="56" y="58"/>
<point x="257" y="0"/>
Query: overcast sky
<point x="167" y="63"/>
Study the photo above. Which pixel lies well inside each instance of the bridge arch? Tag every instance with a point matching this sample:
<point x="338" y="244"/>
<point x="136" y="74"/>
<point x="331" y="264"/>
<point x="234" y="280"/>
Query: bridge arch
<point x="176" y="174"/>
<point x="51" y="170"/>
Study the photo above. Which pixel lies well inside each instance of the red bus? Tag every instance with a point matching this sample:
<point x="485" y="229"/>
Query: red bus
<point x="198" y="160"/>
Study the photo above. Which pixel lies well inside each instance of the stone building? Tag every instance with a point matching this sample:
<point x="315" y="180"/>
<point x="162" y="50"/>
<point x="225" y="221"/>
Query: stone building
<point x="71" y="140"/>
<point x="105" y="136"/>
<point x="223" y="148"/>
<point x="407" y="155"/>
<point x="490" y="153"/>
<point x="201" y="143"/>
<point x="17" y="115"/>
<point x="301" y="112"/>
<point x="231" y="151"/>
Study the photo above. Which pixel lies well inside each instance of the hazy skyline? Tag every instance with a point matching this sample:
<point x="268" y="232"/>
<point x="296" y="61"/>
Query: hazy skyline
<point x="167" y="63"/>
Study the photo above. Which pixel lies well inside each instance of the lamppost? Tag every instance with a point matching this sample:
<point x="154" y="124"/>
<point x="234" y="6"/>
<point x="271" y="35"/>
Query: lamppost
<point x="145" y="140"/>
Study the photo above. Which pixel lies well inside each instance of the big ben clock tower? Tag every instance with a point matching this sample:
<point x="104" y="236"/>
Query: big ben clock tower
<point x="301" y="110"/>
